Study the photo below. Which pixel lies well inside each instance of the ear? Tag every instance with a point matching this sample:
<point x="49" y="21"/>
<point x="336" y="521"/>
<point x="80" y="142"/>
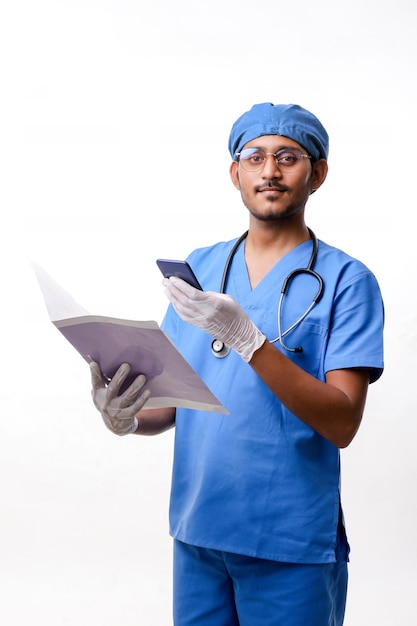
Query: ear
<point x="234" y="174"/>
<point x="318" y="176"/>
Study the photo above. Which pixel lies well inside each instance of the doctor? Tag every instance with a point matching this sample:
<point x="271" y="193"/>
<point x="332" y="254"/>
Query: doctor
<point x="255" y="512"/>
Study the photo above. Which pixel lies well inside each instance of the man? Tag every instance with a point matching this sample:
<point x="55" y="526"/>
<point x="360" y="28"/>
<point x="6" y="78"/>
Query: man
<point x="255" y="511"/>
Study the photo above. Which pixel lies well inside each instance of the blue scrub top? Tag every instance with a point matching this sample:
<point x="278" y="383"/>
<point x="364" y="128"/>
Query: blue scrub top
<point x="259" y="481"/>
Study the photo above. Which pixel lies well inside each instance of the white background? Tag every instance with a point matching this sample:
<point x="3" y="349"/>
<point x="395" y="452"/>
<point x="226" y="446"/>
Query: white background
<point x="115" y="116"/>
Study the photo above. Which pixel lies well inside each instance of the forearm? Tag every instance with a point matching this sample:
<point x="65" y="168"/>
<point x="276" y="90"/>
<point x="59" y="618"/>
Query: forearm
<point x="155" y="421"/>
<point x="333" y="408"/>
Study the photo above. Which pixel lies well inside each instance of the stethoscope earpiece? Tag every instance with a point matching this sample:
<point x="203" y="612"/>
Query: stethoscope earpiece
<point x="219" y="349"/>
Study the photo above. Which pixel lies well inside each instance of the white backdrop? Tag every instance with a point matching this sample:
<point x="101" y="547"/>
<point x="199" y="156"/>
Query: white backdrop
<point x="113" y="147"/>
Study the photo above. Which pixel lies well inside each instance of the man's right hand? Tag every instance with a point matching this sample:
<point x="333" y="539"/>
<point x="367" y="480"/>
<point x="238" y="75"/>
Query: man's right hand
<point x="118" y="412"/>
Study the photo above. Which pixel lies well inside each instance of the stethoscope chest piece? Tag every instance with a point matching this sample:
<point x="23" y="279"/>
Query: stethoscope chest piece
<point x="219" y="349"/>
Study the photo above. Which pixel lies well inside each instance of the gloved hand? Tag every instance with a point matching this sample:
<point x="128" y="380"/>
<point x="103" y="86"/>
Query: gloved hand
<point x="217" y="314"/>
<point x="118" y="412"/>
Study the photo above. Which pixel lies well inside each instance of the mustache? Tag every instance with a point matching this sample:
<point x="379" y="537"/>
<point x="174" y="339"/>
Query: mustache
<point x="272" y="185"/>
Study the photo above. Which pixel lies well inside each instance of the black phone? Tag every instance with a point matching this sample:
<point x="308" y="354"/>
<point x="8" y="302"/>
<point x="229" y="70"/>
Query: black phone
<point x="181" y="269"/>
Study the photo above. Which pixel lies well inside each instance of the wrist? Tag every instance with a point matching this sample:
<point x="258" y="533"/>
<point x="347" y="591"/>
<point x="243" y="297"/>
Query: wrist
<point x="251" y="344"/>
<point x="134" y="427"/>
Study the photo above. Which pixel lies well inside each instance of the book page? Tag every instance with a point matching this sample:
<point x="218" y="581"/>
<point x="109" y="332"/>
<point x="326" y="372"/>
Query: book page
<point x="112" y="341"/>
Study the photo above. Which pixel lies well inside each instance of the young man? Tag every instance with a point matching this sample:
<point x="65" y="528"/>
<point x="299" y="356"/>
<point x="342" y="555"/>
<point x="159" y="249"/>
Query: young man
<point x="255" y="511"/>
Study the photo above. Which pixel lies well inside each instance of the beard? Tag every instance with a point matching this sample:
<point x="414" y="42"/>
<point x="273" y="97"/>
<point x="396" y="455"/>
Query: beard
<point x="274" y="200"/>
<point x="274" y="211"/>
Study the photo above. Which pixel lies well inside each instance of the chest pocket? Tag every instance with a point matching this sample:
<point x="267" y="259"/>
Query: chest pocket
<point x="310" y="334"/>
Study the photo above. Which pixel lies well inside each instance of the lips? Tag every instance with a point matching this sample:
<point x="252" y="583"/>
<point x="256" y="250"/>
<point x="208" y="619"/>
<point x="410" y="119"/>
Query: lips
<point x="269" y="188"/>
<point x="271" y="185"/>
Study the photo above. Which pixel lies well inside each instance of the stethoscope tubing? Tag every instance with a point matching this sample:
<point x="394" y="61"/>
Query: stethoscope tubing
<point x="220" y="350"/>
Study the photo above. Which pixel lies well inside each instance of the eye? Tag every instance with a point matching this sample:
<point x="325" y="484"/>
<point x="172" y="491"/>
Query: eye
<point x="252" y="155"/>
<point x="287" y="158"/>
<point x="256" y="158"/>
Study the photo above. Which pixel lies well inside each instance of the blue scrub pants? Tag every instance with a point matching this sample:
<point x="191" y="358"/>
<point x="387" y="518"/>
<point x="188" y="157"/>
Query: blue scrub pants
<point x="214" y="588"/>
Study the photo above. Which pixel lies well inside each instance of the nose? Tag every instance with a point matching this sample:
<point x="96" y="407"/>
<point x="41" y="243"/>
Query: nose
<point x="270" y="169"/>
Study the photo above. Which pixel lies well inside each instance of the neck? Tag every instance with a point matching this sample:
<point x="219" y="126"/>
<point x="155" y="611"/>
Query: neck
<point x="283" y="238"/>
<point x="265" y="247"/>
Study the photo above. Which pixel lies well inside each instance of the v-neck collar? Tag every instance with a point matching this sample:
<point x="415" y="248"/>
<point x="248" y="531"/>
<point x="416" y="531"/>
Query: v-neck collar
<point x="238" y="279"/>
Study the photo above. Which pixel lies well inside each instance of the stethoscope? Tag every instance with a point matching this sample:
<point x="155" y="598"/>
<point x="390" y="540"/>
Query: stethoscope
<point x="220" y="349"/>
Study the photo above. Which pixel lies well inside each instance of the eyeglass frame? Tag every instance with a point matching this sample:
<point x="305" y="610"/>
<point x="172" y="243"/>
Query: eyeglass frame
<point x="273" y="154"/>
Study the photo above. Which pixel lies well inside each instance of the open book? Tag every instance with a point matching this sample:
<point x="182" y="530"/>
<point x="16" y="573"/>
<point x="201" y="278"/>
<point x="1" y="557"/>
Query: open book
<point x="111" y="341"/>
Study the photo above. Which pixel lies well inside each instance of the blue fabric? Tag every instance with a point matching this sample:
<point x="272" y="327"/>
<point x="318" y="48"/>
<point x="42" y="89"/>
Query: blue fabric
<point x="259" y="482"/>
<point x="287" y="120"/>
<point x="213" y="588"/>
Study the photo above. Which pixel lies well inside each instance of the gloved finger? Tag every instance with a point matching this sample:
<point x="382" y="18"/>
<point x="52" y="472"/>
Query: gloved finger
<point x="177" y="284"/>
<point x="117" y="380"/>
<point x="181" y="293"/>
<point x="132" y="391"/>
<point x="200" y="307"/>
<point x="97" y="380"/>
<point x="187" y="301"/>
<point x="127" y="413"/>
<point x="141" y="401"/>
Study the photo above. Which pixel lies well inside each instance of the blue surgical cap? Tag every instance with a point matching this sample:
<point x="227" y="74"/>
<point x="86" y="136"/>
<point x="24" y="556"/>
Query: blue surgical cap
<point x="287" y="120"/>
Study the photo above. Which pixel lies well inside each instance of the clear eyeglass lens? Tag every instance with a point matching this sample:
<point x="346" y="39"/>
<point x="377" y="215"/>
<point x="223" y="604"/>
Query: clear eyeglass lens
<point x="253" y="159"/>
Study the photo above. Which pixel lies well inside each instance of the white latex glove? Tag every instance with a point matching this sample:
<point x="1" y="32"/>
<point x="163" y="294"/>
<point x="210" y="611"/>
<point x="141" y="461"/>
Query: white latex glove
<point x="118" y="412"/>
<point x="217" y="314"/>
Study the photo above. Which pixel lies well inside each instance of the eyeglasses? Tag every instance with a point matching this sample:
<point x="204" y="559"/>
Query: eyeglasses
<point x="286" y="160"/>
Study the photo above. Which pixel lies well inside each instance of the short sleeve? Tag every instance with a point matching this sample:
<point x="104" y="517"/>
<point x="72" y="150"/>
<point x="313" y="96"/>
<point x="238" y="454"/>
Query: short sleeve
<point x="356" y="331"/>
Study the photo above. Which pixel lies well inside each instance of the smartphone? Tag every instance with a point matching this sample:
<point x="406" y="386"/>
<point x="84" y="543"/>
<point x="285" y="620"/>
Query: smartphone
<point x="181" y="269"/>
